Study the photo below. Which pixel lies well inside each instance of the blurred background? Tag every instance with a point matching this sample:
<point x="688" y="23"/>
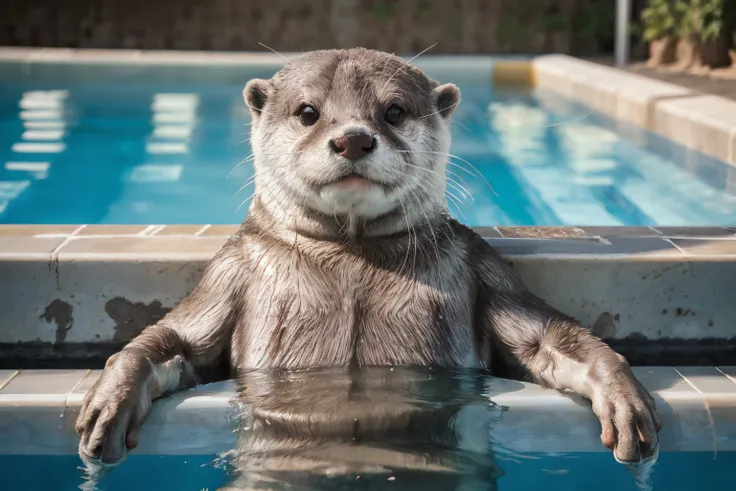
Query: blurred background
<point x="579" y="27"/>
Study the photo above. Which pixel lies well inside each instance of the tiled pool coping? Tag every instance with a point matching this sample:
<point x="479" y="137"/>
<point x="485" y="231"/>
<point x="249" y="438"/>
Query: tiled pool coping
<point x="697" y="405"/>
<point x="702" y="122"/>
<point x="660" y="296"/>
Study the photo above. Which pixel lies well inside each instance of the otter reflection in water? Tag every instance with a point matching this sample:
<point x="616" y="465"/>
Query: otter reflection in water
<point x="369" y="428"/>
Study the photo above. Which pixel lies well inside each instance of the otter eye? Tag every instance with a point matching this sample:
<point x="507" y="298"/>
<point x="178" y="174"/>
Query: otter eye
<point x="394" y="115"/>
<point x="308" y="115"/>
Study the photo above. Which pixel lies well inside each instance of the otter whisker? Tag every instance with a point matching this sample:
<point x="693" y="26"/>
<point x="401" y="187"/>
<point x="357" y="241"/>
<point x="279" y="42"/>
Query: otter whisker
<point x="246" y="159"/>
<point x="459" y="187"/>
<point x="408" y="229"/>
<point x="449" y="155"/>
<point x="569" y="122"/>
<point x="248" y="182"/>
<point x="438" y="112"/>
<point x="429" y="224"/>
<point x="274" y="51"/>
<point x="386" y="64"/>
<point x="457" y="205"/>
<point x="463" y="127"/>
<point x="458" y="183"/>
<point x="406" y="65"/>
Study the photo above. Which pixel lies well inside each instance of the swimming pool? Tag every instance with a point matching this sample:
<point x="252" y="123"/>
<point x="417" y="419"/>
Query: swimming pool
<point x="402" y="428"/>
<point x="571" y="472"/>
<point x="142" y="150"/>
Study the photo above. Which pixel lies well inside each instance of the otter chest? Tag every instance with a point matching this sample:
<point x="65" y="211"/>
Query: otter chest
<point x="303" y="314"/>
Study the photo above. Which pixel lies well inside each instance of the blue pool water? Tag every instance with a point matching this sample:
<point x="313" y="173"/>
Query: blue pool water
<point x="572" y="472"/>
<point x="108" y="150"/>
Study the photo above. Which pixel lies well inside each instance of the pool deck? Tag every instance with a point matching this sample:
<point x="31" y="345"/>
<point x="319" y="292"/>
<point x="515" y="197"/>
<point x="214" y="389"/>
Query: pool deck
<point x="697" y="406"/>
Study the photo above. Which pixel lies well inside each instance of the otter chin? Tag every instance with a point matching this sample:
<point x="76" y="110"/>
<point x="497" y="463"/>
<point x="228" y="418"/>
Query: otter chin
<point x="348" y="257"/>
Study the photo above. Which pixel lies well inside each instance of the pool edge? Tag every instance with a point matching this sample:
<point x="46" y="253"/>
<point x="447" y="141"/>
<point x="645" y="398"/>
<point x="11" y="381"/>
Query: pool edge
<point x="697" y="406"/>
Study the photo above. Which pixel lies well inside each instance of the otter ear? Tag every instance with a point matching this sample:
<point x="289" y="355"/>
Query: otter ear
<point x="255" y="94"/>
<point x="446" y="98"/>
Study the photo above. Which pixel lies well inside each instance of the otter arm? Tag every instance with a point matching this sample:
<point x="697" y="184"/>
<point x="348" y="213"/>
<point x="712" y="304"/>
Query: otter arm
<point x="185" y="347"/>
<point x="530" y="340"/>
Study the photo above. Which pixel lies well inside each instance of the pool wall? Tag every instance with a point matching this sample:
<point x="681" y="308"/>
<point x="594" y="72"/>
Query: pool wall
<point x="75" y="294"/>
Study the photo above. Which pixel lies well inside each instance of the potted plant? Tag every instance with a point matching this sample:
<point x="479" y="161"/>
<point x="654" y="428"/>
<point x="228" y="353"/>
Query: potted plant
<point x="660" y="24"/>
<point x="704" y="40"/>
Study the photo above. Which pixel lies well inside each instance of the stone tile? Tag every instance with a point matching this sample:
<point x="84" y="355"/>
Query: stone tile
<point x="24" y="300"/>
<point x="636" y="247"/>
<point x="32" y="230"/>
<point x="30" y="248"/>
<point x="220" y="230"/>
<point x="695" y="231"/>
<point x="709" y="381"/>
<point x="141" y="248"/>
<point x="642" y="247"/>
<point x="542" y="232"/>
<point x="720" y="394"/>
<point x="5" y="376"/>
<point x="672" y="121"/>
<point x="686" y="423"/>
<point x="75" y="398"/>
<point x="707" y="247"/>
<point x="620" y="231"/>
<point x="179" y="230"/>
<point x="36" y="427"/>
<point x="53" y="382"/>
<point x="714" y="118"/>
<point x="112" y="230"/>
<point x="535" y="247"/>
<point x="656" y="379"/>
<point x="729" y="372"/>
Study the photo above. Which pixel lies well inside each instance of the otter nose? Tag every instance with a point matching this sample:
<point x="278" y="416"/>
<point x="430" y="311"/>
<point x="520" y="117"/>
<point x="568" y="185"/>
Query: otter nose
<point x="353" y="145"/>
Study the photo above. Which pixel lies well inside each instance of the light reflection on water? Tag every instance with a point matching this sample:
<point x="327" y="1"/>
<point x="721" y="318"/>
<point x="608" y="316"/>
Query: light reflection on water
<point x="370" y="429"/>
<point x="161" y="152"/>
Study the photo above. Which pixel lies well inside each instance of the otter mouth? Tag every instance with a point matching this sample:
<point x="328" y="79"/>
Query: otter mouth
<point x="355" y="181"/>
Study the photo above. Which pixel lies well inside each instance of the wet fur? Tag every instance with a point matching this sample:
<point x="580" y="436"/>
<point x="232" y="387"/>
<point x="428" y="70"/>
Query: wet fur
<point x="298" y="286"/>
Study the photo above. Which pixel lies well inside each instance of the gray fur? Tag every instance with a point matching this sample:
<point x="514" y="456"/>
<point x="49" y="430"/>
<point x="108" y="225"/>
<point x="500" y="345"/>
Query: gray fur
<point x="316" y="277"/>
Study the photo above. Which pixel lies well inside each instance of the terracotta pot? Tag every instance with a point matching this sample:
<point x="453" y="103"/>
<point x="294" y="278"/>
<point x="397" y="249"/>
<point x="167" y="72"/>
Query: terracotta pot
<point x="662" y="51"/>
<point x="714" y="53"/>
<point x="686" y="53"/>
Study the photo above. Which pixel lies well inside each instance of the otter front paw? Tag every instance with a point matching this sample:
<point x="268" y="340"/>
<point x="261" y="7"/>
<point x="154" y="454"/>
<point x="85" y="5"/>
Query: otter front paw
<point x="114" y="410"/>
<point x="629" y="420"/>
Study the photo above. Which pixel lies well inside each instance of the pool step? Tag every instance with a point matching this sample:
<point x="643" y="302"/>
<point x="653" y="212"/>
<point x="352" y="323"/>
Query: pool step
<point x="697" y="405"/>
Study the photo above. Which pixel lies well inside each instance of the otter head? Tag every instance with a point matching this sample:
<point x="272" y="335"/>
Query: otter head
<point x="351" y="133"/>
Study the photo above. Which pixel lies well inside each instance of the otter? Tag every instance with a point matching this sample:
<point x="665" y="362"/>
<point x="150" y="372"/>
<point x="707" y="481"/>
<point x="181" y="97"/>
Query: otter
<point x="348" y="258"/>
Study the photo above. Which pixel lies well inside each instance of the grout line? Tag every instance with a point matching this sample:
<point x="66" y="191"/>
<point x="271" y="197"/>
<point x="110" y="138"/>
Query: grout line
<point x="726" y="375"/>
<point x="669" y="241"/>
<point x="147" y="230"/>
<point x="202" y="230"/>
<point x="5" y="384"/>
<point x="57" y="249"/>
<point x="706" y="403"/>
<point x="79" y="382"/>
<point x="157" y="230"/>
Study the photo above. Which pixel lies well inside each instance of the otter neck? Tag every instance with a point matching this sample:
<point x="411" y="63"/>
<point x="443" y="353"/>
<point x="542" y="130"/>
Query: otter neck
<point x="291" y="220"/>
